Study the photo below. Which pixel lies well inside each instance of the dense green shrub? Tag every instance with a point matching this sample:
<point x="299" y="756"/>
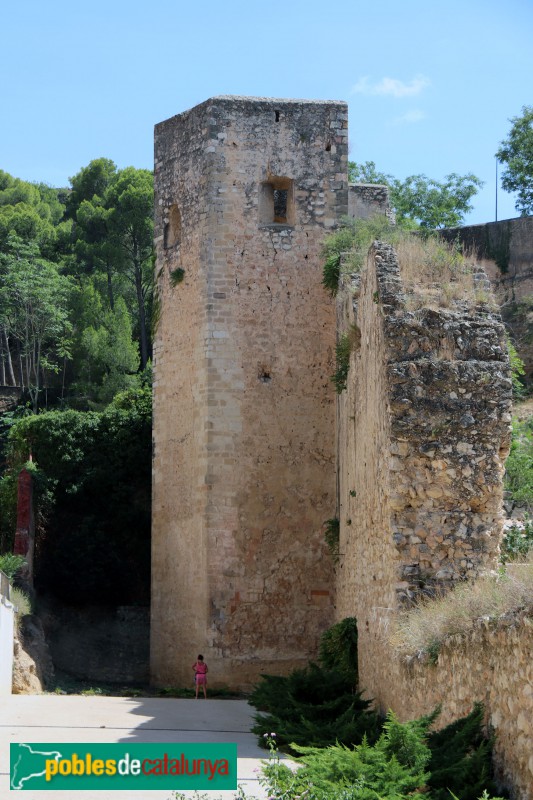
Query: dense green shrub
<point x="318" y="705"/>
<point x="10" y="564"/>
<point x="519" y="465"/>
<point x="314" y="707"/>
<point x="517" y="542"/>
<point x="317" y="716"/>
<point x="405" y="760"/>
<point x="393" y="767"/>
<point x="352" y="241"/>
<point x="461" y="759"/>
<point x="92" y="474"/>
<point x="338" y="649"/>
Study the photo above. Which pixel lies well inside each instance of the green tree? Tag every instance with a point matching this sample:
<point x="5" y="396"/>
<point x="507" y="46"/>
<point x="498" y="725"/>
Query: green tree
<point x="92" y="474"/>
<point x="33" y="312"/>
<point x="517" y="153"/>
<point x="419" y="201"/>
<point x="113" y="212"/>
<point x="105" y="357"/>
<point x="90" y="182"/>
<point x="130" y="198"/>
<point x="32" y="211"/>
<point x="95" y="248"/>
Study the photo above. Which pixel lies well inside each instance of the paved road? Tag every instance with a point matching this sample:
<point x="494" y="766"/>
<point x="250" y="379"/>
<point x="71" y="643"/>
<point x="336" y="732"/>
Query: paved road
<point x="53" y="718"/>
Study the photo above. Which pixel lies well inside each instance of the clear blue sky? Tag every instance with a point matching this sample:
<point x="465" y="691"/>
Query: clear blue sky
<point x="430" y="86"/>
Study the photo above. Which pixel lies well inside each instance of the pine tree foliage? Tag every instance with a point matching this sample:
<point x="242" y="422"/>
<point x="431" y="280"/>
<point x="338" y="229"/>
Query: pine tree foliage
<point x="313" y="706"/>
<point x="405" y="761"/>
<point x="461" y="759"/>
<point x="338" y="649"/>
<point x="392" y="768"/>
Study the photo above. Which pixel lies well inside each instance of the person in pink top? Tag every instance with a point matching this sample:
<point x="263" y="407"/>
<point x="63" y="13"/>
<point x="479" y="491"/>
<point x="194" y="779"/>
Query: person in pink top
<point x="200" y="675"/>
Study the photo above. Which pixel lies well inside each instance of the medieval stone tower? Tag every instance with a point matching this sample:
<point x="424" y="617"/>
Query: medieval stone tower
<point x="244" y="464"/>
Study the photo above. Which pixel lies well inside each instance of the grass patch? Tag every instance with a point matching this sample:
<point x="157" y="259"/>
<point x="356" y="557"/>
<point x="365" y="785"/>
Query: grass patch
<point x="22" y="603"/>
<point x="435" y="273"/>
<point x="223" y="693"/>
<point x="345" y="251"/>
<point x="425" y="628"/>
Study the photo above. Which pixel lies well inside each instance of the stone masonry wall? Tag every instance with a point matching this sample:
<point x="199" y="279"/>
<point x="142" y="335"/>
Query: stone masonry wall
<point x="494" y="666"/>
<point x="423" y="434"/>
<point x="367" y="199"/>
<point x="179" y="549"/>
<point x="505" y="250"/>
<point x="244" y="408"/>
<point x="439" y="382"/>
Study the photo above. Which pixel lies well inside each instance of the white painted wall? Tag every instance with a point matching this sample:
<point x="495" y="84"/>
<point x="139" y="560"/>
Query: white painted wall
<point x="7" y="623"/>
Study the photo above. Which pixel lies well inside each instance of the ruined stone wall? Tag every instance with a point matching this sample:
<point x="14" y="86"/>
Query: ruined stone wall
<point x="444" y="403"/>
<point x="494" y="666"/>
<point x="423" y="434"/>
<point x="244" y="407"/>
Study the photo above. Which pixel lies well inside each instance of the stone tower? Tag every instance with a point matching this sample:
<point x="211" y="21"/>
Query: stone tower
<point x="244" y="409"/>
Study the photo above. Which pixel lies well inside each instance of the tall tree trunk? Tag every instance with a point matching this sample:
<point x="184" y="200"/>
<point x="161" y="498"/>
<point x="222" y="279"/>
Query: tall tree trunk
<point x="8" y="360"/>
<point x="143" y="333"/>
<point x="21" y="369"/>
<point x="36" y="372"/>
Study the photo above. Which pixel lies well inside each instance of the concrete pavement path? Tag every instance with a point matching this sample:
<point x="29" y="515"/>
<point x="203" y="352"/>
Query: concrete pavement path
<point x="73" y="718"/>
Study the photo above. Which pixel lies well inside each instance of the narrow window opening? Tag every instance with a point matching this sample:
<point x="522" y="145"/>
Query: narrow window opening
<point x="276" y="202"/>
<point x="172" y="228"/>
<point x="280" y="205"/>
<point x="277" y="116"/>
<point x="328" y="146"/>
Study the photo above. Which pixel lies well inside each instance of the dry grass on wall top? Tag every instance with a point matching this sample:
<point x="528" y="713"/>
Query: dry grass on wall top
<point x="424" y="628"/>
<point x="436" y="273"/>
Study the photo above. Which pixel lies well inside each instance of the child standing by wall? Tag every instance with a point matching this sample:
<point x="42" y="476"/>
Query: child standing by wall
<point x="200" y="675"/>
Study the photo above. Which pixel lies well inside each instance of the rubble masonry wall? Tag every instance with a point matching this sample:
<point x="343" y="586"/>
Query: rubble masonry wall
<point x="423" y="435"/>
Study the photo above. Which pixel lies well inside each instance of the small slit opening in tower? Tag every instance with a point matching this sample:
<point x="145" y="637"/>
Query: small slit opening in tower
<point x="280" y="205"/>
